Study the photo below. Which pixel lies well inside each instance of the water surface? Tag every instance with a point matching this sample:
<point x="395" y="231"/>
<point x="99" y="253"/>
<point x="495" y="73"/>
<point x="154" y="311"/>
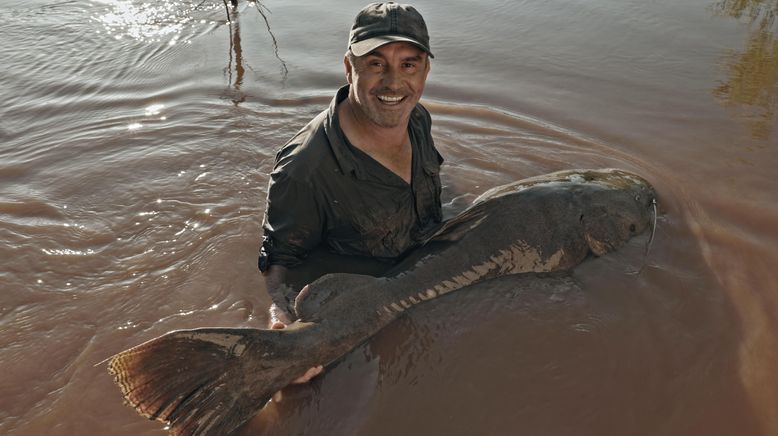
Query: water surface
<point x="136" y="139"/>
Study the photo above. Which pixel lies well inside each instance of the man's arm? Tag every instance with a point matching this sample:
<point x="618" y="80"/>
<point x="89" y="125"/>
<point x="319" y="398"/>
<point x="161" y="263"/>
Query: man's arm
<point x="292" y="227"/>
<point x="280" y="315"/>
<point x="280" y="294"/>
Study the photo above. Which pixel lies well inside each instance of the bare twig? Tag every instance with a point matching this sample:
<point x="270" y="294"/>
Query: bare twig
<point x="284" y="69"/>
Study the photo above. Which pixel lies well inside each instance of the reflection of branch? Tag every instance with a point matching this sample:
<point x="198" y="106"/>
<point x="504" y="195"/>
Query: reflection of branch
<point x="198" y="5"/>
<point x="752" y="85"/>
<point x="284" y="69"/>
<point x="238" y="52"/>
<point x="753" y="9"/>
<point x="236" y="49"/>
<point x="239" y="70"/>
<point x="227" y="10"/>
<point x="753" y="82"/>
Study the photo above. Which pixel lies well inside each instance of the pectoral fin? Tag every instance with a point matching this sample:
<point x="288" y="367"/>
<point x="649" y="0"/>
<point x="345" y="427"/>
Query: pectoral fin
<point x="328" y="291"/>
<point x="456" y="228"/>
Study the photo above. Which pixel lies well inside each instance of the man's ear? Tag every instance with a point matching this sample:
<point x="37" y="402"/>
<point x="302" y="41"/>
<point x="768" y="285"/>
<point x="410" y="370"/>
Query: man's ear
<point x="349" y="68"/>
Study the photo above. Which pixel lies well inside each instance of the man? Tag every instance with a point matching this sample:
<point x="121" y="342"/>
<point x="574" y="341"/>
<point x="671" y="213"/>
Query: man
<point x="362" y="178"/>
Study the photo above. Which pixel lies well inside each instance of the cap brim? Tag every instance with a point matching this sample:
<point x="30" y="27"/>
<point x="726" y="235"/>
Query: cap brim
<point x="362" y="48"/>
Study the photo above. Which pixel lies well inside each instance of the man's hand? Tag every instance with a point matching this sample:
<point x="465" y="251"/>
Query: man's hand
<point x="277" y="318"/>
<point x="280" y="317"/>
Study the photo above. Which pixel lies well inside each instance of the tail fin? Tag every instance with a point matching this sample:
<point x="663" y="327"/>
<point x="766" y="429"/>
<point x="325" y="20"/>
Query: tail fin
<point x="203" y="381"/>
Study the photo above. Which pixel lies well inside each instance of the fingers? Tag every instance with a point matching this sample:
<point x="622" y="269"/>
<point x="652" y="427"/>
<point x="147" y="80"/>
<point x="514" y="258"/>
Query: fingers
<point x="278" y="317"/>
<point x="311" y="373"/>
<point x="305" y="378"/>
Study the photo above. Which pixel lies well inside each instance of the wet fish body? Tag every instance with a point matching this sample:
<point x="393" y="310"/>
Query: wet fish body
<point x="210" y="381"/>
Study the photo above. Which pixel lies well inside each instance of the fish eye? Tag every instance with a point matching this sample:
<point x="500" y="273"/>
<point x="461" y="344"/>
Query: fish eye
<point x="632" y="228"/>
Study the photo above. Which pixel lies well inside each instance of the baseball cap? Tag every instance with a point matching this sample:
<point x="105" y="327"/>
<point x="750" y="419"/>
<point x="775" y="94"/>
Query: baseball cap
<point x="381" y="23"/>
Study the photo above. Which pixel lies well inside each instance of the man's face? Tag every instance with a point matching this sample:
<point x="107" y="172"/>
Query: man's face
<point x="387" y="83"/>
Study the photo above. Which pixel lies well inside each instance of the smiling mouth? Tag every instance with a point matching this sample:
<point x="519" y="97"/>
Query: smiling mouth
<point x="390" y="100"/>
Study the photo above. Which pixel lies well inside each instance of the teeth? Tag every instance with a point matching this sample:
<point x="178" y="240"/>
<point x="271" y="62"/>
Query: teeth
<point x="389" y="99"/>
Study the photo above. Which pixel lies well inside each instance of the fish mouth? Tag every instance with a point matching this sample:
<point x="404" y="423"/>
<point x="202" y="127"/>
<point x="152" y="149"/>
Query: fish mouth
<point x="599" y="248"/>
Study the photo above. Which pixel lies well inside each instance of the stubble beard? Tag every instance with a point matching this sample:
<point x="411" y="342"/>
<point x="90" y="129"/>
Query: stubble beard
<point x="370" y="109"/>
<point x="385" y="118"/>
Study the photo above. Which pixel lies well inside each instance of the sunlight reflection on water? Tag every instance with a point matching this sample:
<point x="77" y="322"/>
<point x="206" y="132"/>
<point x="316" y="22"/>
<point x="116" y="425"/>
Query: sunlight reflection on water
<point x="133" y="175"/>
<point x="152" y="22"/>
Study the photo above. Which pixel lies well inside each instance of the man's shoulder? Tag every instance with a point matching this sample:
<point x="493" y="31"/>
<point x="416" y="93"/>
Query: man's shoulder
<point x="421" y="115"/>
<point x="421" y="124"/>
<point x="306" y="151"/>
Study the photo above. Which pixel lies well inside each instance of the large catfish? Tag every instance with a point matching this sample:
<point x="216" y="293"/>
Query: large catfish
<point x="210" y="381"/>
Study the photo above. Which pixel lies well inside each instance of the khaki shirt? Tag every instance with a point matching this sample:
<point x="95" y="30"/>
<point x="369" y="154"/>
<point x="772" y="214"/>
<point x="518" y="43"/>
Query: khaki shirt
<point x="323" y="190"/>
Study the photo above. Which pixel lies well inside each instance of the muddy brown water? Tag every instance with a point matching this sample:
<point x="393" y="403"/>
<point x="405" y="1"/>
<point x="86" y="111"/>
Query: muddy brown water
<point x="135" y="142"/>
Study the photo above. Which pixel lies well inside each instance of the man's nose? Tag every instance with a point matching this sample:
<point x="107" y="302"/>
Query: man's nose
<point x="391" y="78"/>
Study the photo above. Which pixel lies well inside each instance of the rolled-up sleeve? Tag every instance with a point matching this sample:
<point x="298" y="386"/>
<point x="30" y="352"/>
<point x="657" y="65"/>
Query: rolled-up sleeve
<point x="292" y="223"/>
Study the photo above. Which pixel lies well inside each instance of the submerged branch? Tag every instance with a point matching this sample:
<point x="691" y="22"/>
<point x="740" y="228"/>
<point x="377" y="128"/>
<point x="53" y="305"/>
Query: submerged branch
<point x="284" y="68"/>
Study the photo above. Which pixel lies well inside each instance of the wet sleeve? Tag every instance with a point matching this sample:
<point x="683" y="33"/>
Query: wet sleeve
<point x="292" y="224"/>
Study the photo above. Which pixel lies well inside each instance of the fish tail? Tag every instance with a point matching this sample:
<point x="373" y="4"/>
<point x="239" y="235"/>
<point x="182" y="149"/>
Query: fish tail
<point x="202" y="381"/>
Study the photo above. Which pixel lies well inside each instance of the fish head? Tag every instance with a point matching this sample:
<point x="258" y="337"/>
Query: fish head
<point x="617" y="206"/>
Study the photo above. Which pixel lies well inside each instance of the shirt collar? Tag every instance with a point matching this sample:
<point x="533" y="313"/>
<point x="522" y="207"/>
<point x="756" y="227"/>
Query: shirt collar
<point x="340" y="146"/>
<point x="336" y="137"/>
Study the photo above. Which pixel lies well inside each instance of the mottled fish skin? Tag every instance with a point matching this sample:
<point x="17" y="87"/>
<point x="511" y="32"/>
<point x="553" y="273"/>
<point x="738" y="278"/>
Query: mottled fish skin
<point x="211" y="381"/>
<point x="542" y="224"/>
